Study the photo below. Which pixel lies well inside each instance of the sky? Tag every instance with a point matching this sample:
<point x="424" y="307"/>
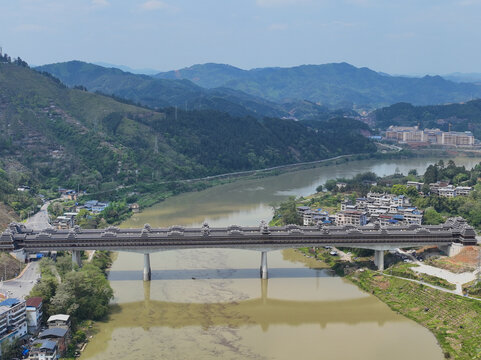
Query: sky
<point x="411" y="37"/>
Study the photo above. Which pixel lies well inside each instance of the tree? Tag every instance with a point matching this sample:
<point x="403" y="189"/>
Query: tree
<point x="399" y="189"/>
<point x="330" y="185"/>
<point x="319" y="189"/>
<point x="432" y="217"/>
<point x="287" y="212"/>
<point x="84" y="294"/>
<point x="431" y="174"/>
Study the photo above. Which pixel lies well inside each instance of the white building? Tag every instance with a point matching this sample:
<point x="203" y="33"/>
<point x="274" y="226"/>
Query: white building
<point x="34" y="314"/>
<point x="13" y="320"/>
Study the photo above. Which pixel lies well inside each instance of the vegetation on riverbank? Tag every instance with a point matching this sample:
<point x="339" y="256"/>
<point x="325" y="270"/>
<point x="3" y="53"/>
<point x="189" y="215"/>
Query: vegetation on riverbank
<point x="404" y="270"/>
<point x="83" y="293"/>
<point x="455" y="321"/>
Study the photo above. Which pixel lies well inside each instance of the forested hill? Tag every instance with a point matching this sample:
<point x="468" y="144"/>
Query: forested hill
<point x="337" y="85"/>
<point x="66" y="137"/>
<point x="462" y="117"/>
<point x="161" y="93"/>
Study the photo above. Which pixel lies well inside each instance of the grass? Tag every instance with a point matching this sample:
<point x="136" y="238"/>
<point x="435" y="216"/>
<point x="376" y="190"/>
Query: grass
<point x="454" y="320"/>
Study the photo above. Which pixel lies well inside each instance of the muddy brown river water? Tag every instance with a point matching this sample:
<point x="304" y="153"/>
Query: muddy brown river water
<point x="211" y="304"/>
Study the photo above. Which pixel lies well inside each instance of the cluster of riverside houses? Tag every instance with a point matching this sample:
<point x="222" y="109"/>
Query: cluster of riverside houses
<point x="385" y="209"/>
<point x="382" y="208"/>
<point x="22" y="319"/>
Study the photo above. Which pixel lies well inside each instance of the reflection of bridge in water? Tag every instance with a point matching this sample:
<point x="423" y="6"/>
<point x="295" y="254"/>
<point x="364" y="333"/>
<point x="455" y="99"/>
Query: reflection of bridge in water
<point x="263" y="238"/>
<point x="262" y="311"/>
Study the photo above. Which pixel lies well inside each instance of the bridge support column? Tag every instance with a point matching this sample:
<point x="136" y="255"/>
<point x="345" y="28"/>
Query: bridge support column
<point x="264" y="265"/>
<point x="147" y="271"/>
<point x="76" y="258"/>
<point x="379" y="259"/>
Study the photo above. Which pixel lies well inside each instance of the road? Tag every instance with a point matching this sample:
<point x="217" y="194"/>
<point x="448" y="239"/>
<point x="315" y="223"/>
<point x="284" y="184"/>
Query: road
<point x="20" y="287"/>
<point x="453" y="278"/>
<point x="39" y="221"/>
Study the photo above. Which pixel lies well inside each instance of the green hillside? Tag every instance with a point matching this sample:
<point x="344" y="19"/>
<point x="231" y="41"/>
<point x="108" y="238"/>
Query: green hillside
<point x="55" y="136"/>
<point x="335" y="85"/>
<point x="161" y="93"/>
<point x="462" y="117"/>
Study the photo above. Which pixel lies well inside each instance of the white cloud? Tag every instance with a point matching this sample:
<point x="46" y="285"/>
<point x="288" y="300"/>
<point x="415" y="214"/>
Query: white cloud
<point x="274" y="3"/>
<point x="100" y="3"/>
<point x="277" y="27"/>
<point x="29" y="28"/>
<point x="155" y="5"/>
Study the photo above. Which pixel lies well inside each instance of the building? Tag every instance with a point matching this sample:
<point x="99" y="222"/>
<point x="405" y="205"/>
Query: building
<point x="352" y="217"/>
<point x="34" y="314"/>
<point x="95" y="206"/>
<point x="13" y="321"/>
<point x="57" y="334"/>
<point x="43" y="350"/>
<point x="59" y="320"/>
<point x="415" y="184"/>
<point x="443" y="188"/>
<point x="412" y="134"/>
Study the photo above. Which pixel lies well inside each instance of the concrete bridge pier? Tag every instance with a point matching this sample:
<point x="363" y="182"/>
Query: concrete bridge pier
<point x="77" y="258"/>
<point x="379" y="259"/>
<point x="264" y="265"/>
<point x="147" y="271"/>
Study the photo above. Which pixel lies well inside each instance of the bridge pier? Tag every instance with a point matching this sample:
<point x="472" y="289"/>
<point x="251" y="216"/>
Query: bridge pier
<point x="264" y="265"/>
<point x="379" y="259"/>
<point x="147" y="271"/>
<point x="77" y="258"/>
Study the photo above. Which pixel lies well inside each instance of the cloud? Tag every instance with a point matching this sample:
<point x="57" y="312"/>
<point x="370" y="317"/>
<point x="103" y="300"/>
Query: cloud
<point x="155" y="5"/>
<point x="29" y="28"/>
<point x="274" y="3"/>
<point x="401" y="35"/>
<point x="278" y="27"/>
<point x="100" y="3"/>
<point x="470" y="2"/>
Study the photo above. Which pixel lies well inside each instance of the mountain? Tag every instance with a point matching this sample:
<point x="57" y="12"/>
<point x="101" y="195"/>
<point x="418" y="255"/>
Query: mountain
<point x="462" y="117"/>
<point x="68" y="137"/>
<point x="161" y="93"/>
<point x="464" y="77"/>
<point x="124" y="68"/>
<point x="336" y="85"/>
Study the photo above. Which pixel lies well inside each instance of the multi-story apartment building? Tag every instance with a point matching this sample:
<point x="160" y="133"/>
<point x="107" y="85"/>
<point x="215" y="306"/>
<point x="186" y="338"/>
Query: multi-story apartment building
<point x="34" y="314"/>
<point x="13" y="320"/>
<point x="412" y="134"/>
<point x="352" y="217"/>
<point x="443" y="188"/>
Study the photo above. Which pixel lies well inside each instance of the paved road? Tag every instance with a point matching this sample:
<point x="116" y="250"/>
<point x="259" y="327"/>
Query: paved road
<point x="453" y="278"/>
<point x="20" y="287"/>
<point x="39" y="221"/>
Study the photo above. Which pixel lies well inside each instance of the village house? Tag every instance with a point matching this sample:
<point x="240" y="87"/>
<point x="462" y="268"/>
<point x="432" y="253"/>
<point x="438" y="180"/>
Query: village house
<point x="43" y="350"/>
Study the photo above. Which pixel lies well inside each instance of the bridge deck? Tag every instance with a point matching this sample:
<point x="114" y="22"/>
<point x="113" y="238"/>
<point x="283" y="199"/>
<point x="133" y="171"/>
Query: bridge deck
<point x="17" y="236"/>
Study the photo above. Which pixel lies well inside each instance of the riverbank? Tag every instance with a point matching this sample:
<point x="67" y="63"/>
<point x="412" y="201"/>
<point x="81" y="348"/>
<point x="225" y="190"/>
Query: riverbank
<point x="150" y="194"/>
<point x="454" y="320"/>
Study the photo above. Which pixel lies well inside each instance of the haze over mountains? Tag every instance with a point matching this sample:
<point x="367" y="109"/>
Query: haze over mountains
<point x="266" y="91"/>
<point x="68" y="136"/>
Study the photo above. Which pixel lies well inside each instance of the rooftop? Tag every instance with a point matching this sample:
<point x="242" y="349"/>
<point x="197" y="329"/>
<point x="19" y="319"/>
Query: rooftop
<point x="61" y="317"/>
<point x="53" y="332"/>
<point x="10" y="302"/>
<point x="34" y="302"/>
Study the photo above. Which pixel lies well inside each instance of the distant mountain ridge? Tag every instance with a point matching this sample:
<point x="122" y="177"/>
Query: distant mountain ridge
<point x="336" y="85"/>
<point x="70" y="137"/>
<point x="161" y="93"/>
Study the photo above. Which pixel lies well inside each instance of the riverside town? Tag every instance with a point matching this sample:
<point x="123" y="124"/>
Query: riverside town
<point x="261" y="179"/>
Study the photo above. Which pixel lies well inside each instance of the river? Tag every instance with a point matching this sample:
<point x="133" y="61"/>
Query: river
<point x="211" y="304"/>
